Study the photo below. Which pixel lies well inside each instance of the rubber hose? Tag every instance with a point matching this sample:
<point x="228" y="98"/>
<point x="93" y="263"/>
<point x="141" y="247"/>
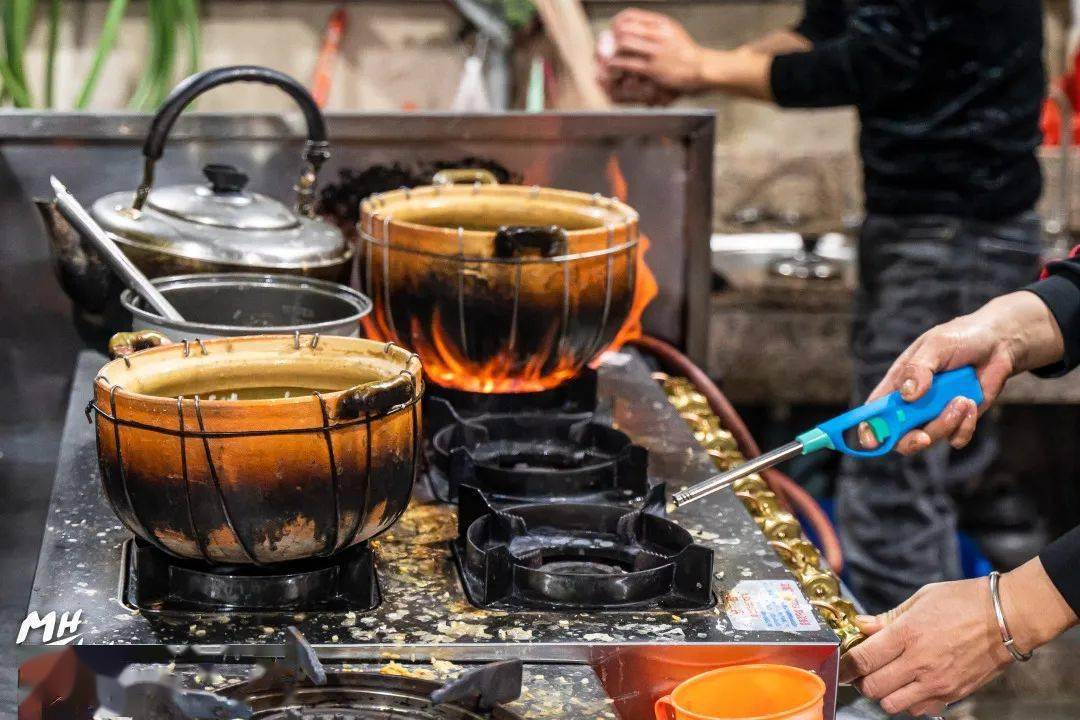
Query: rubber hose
<point x="787" y="490"/>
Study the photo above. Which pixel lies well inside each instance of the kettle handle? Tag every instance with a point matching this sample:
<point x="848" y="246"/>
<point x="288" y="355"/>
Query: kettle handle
<point x="315" y="152"/>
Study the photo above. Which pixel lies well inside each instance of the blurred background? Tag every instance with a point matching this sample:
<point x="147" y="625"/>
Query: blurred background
<point x="782" y="181"/>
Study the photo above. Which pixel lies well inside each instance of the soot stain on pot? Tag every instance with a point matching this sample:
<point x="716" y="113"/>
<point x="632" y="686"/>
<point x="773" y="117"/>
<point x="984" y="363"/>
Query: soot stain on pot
<point x="297" y="535"/>
<point x="430" y="310"/>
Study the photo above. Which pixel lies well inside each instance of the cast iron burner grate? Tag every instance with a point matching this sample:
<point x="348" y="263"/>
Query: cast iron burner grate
<point x="535" y="457"/>
<point x="578" y="556"/>
<point x="361" y="696"/>
<point x="155" y="582"/>
<point x="576" y="395"/>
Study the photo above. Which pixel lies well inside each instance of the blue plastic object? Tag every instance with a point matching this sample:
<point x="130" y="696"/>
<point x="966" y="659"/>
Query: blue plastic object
<point x="892" y="417"/>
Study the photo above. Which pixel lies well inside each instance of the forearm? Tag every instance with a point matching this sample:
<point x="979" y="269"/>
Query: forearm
<point x="743" y="71"/>
<point x="779" y="42"/>
<point x="1034" y="610"/>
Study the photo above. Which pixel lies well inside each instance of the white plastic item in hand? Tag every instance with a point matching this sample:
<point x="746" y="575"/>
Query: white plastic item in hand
<point x="471" y="95"/>
<point x="605" y="44"/>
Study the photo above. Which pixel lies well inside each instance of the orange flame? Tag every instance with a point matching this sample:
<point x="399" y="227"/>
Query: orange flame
<point x="645" y="287"/>
<point x="445" y="364"/>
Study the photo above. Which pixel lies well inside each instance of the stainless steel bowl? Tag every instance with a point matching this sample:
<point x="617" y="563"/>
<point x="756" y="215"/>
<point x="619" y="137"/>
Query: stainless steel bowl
<point x="232" y="304"/>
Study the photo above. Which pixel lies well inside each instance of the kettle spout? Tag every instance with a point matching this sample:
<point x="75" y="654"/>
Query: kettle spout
<point x="82" y="272"/>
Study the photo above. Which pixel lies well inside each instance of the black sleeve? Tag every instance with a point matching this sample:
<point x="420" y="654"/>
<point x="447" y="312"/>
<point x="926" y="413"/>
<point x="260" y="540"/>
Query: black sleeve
<point x="822" y="20"/>
<point x="1061" y="560"/>
<point x="878" y="54"/>
<point x="1060" y="290"/>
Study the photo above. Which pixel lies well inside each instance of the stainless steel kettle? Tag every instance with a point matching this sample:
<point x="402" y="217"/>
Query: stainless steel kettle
<point x="216" y="226"/>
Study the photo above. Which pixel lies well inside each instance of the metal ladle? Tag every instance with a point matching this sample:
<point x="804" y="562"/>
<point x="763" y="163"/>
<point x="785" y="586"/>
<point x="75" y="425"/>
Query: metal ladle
<point x="76" y="214"/>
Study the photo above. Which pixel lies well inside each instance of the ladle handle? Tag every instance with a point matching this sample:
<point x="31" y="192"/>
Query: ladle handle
<point x="315" y="152"/>
<point x="76" y="214"/>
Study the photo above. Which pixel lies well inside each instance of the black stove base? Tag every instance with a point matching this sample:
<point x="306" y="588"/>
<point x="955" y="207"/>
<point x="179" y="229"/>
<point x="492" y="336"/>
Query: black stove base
<point x="153" y="582"/>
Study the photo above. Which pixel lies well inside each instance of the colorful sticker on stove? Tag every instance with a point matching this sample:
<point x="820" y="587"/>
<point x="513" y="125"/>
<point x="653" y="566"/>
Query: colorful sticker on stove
<point x="769" y="605"/>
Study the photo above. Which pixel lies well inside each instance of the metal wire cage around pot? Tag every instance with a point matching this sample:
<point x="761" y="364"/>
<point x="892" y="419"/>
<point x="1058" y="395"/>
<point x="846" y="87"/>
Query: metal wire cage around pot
<point x="297" y="474"/>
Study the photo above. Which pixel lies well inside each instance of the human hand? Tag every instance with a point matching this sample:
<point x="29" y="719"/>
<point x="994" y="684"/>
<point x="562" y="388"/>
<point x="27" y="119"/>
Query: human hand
<point x="627" y="87"/>
<point x="937" y="647"/>
<point x="944" y="642"/>
<point x="649" y="46"/>
<point x="1006" y="336"/>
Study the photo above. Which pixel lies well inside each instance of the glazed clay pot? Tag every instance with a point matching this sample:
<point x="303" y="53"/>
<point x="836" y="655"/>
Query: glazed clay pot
<point x="318" y="453"/>
<point x="499" y="288"/>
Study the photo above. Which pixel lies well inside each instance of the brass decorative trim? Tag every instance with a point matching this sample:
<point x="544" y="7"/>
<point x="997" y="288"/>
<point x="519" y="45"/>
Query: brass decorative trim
<point x="781" y="528"/>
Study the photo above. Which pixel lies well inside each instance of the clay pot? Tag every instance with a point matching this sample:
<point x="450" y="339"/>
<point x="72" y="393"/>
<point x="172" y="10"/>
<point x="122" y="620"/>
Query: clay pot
<point x="317" y="454"/>
<point x="499" y="288"/>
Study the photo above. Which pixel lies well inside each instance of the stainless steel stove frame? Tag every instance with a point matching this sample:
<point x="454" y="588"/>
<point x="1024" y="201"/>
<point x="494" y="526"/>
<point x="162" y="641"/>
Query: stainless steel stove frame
<point x="425" y="613"/>
<point x="665" y="157"/>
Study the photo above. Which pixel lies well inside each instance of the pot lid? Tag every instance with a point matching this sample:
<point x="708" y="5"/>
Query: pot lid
<point x="220" y="222"/>
<point x="223" y="203"/>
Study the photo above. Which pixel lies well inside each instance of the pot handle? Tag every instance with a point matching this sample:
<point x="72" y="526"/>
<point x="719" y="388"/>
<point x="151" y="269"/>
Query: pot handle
<point x="123" y="344"/>
<point x="464" y="175"/>
<point x="513" y="241"/>
<point x="315" y="152"/>
<point x="664" y="709"/>
<point x="375" y="398"/>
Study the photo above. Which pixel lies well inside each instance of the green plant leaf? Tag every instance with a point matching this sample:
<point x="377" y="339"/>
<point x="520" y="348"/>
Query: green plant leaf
<point x="52" y="43"/>
<point x="113" y="17"/>
<point x="189" y="11"/>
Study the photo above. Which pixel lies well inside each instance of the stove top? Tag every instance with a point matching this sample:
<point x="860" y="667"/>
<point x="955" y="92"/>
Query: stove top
<point x="356" y="696"/>
<point x="426" y="610"/>
<point x="475" y="693"/>
<point x="400" y="690"/>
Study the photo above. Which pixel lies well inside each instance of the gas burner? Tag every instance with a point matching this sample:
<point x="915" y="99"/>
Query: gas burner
<point x="576" y="556"/>
<point x="374" y="696"/>
<point x="576" y="395"/>
<point x="155" y="582"/>
<point x="539" y="458"/>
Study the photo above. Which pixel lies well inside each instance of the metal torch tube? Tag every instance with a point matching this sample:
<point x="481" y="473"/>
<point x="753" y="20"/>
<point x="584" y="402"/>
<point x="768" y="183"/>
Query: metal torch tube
<point x="723" y="480"/>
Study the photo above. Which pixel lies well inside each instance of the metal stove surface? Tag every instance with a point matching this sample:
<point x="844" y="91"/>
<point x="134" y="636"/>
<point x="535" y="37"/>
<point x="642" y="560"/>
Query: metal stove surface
<point x="548" y="692"/>
<point x="424" y="612"/>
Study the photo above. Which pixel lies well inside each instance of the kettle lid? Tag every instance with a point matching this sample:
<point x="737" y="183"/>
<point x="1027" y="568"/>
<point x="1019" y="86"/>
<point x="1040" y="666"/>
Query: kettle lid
<point x="223" y="203"/>
<point x="221" y="222"/>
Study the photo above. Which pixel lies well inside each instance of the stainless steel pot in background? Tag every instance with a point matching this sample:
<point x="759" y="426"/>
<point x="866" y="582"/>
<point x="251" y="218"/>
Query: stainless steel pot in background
<point x="233" y="304"/>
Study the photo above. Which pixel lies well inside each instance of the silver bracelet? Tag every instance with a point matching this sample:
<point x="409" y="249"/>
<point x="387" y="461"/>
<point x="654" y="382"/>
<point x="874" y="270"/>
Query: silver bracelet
<point x="1006" y="636"/>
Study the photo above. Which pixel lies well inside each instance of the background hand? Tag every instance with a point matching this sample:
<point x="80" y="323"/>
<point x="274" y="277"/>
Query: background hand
<point x="653" y="47"/>
<point x="627" y="87"/>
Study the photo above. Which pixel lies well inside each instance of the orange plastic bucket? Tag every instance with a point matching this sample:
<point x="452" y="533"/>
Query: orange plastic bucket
<point x="746" y="692"/>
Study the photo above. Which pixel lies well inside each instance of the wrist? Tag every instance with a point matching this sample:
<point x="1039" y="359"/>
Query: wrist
<point x="742" y="71"/>
<point x="1027" y="329"/>
<point x="712" y="68"/>
<point x="1034" y="610"/>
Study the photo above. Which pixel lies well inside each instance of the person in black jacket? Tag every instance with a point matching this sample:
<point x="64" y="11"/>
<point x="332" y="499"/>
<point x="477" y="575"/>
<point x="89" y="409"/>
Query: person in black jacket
<point x="947" y="639"/>
<point x="949" y="94"/>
